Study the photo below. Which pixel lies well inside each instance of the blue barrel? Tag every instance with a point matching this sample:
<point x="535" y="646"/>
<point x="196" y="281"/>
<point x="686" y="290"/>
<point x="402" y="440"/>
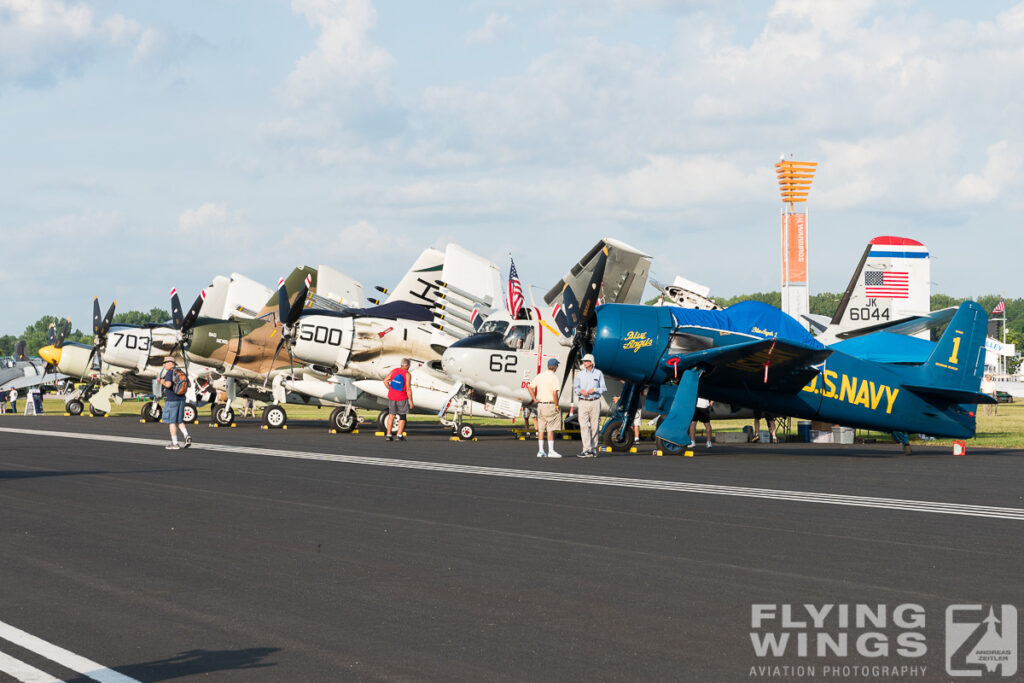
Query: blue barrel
<point x="803" y="431"/>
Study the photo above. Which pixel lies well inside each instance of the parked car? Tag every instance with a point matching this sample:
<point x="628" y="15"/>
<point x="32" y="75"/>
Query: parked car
<point x="1004" y="397"/>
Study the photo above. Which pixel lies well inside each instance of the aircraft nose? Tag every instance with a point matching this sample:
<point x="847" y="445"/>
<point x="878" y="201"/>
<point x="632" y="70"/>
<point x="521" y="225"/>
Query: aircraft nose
<point x="51" y="354"/>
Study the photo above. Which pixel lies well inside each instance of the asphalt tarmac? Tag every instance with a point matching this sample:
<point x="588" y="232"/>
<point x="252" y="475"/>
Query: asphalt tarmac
<point x="299" y="555"/>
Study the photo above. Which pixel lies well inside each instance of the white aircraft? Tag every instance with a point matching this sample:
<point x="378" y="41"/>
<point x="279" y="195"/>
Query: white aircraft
<point x="890" y="286"/>
<point x="350" y="352"/>
<point x="501" y="358"/>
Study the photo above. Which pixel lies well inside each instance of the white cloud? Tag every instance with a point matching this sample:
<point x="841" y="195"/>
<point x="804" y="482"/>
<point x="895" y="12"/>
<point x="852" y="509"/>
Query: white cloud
<point x="44" y="40"/>
<point x="492" y="28"/>
<point x="212" y="221"/>
<point x="1002" y="169"/>
<point x="344" y="56"/>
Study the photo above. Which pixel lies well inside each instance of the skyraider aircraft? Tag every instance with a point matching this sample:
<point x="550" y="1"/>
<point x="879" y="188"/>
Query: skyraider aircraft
<point x="129" y="357"/>
<point x="501" y="358"/>
<point x="754" y="355"/>
<point x="350" y="352"/>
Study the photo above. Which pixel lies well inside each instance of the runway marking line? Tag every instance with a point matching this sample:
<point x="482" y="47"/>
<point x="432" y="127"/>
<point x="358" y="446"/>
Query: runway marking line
<point x="932" y="507"/>
<point x="29" y="674"/>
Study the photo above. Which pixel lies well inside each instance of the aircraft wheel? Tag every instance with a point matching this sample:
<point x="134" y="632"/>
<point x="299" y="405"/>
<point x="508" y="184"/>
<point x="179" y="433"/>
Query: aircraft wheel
<point x="97" y="412"/>
<point x="151" y="411"/>
<point x="610" y="437"/>
<point x="382" y="420"/>
<point x="74" y="406"/>
<point x="466" y="432"/>
<point x="669" y="448"/>
<point x="190" y="413"/>
<point x="222" y="414"/>
<point x="275" y="417"/>
<point x="343" y="420"/>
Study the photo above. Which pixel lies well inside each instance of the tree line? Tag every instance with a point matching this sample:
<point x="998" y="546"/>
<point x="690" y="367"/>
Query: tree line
<point x="37" y="335"/>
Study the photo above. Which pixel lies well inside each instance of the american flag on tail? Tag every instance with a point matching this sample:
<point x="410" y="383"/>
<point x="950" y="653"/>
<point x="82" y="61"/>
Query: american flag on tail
<point x="514" y="300"/>
<point x="887" y="285"/>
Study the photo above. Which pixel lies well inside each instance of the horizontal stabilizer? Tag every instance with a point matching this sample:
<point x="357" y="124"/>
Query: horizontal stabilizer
<point x="951" y="395"/>
<point x="910" y="325"/>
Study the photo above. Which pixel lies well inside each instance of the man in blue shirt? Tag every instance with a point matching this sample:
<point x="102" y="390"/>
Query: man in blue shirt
<point x="588" y="387"/>
<point x="174" y="407"/>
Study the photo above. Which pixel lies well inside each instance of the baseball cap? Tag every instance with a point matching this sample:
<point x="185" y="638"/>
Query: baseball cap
<point x="553" y="363"/>
<point x="589" y="357"/>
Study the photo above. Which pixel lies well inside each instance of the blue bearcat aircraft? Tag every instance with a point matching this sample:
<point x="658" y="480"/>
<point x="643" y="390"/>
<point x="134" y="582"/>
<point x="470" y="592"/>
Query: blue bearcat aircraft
<point x="756" y="356"/>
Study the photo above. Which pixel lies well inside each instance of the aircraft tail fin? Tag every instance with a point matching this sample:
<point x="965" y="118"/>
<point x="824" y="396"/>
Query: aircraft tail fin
<point x="293" y="283"/>
<point x="890" y="283"/>
<point x="419" y="284"/>
<point x="954" y="369"/>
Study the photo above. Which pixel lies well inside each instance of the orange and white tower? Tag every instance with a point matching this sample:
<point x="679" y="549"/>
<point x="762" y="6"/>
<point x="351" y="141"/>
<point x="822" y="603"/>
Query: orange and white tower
<point x="795" y="184"/>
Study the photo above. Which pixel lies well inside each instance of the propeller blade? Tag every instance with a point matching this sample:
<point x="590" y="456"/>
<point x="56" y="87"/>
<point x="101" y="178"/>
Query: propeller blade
<point x="589" y="302"/>
<point x="51" y="334"/>
<point x="570" y="312"/>
<point x="570" y="366"/>
<point x="176" y="314"/>
<point x="96" y="318"/>
<point x="63" y="333"/>
<point x="108" y="318"/>
<point x="297" y="306"/>
<point x="273" y="361"/>
<point x="193" y="313"/>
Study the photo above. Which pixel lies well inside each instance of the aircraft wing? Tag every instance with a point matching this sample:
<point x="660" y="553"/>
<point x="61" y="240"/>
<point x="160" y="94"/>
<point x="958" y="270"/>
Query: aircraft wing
<point x="625" y="275"/>
<point x="779" y="365"/>
<point x="33" y="380"/>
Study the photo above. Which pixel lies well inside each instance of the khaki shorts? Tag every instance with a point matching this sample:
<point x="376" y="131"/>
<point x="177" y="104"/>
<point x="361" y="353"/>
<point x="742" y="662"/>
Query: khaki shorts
<point x="549" y="417"/>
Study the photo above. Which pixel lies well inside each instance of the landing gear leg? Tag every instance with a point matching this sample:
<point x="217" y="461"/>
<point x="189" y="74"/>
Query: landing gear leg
<point x="903" y="438"/>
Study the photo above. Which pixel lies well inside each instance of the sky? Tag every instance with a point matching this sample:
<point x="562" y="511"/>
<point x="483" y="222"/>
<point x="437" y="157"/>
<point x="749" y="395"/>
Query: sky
<point x="154" y="145"/>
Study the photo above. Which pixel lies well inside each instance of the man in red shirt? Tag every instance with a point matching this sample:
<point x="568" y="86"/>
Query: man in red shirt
<point x="399" y="384"/>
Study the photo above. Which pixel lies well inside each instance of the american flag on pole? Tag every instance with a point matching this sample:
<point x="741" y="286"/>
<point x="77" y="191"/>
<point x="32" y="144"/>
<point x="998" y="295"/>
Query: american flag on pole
<point x="514" y="300"/>
<point x="1000" y="307"/>
<point x="887" y="284"/>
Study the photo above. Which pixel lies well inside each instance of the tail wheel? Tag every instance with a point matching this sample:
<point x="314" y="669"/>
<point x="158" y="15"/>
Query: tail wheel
<point x="74" y="407"/>
<point x="669" y="448"/>
<point x="275" y="417"/>
<point x="610" y="437"/>
<point x="466" y="432"/>
<point x="223" y="414"/>
<point x="190" y="413"/>
<point x="97" y="412"/>
<point x="343" y="420"/>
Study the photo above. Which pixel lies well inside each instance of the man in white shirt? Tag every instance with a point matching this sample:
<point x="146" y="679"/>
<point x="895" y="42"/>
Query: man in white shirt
<point x="588" y="387"/>
<point x="701" y="413"/>
<point x="988" y="387"/>
<point x="544" y="390"/>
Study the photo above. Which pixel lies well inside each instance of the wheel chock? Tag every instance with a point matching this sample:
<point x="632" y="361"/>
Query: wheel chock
<point x="379" y="434"/>
<point x="233" y="424"/>
<point x="332" y="431"/>
<point x="688" y="454"/>
<point x="141" y="421"/>
<point x="264" y="427"/>
<point x="632" y="449"/>
<point x="454" y="438"/>
<point x="659" y="453"/>
<point x="354" y="431"/>
<point x="522" y="438"/>
<point x="284" y="426"/>
<point x="566" y="437"/>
